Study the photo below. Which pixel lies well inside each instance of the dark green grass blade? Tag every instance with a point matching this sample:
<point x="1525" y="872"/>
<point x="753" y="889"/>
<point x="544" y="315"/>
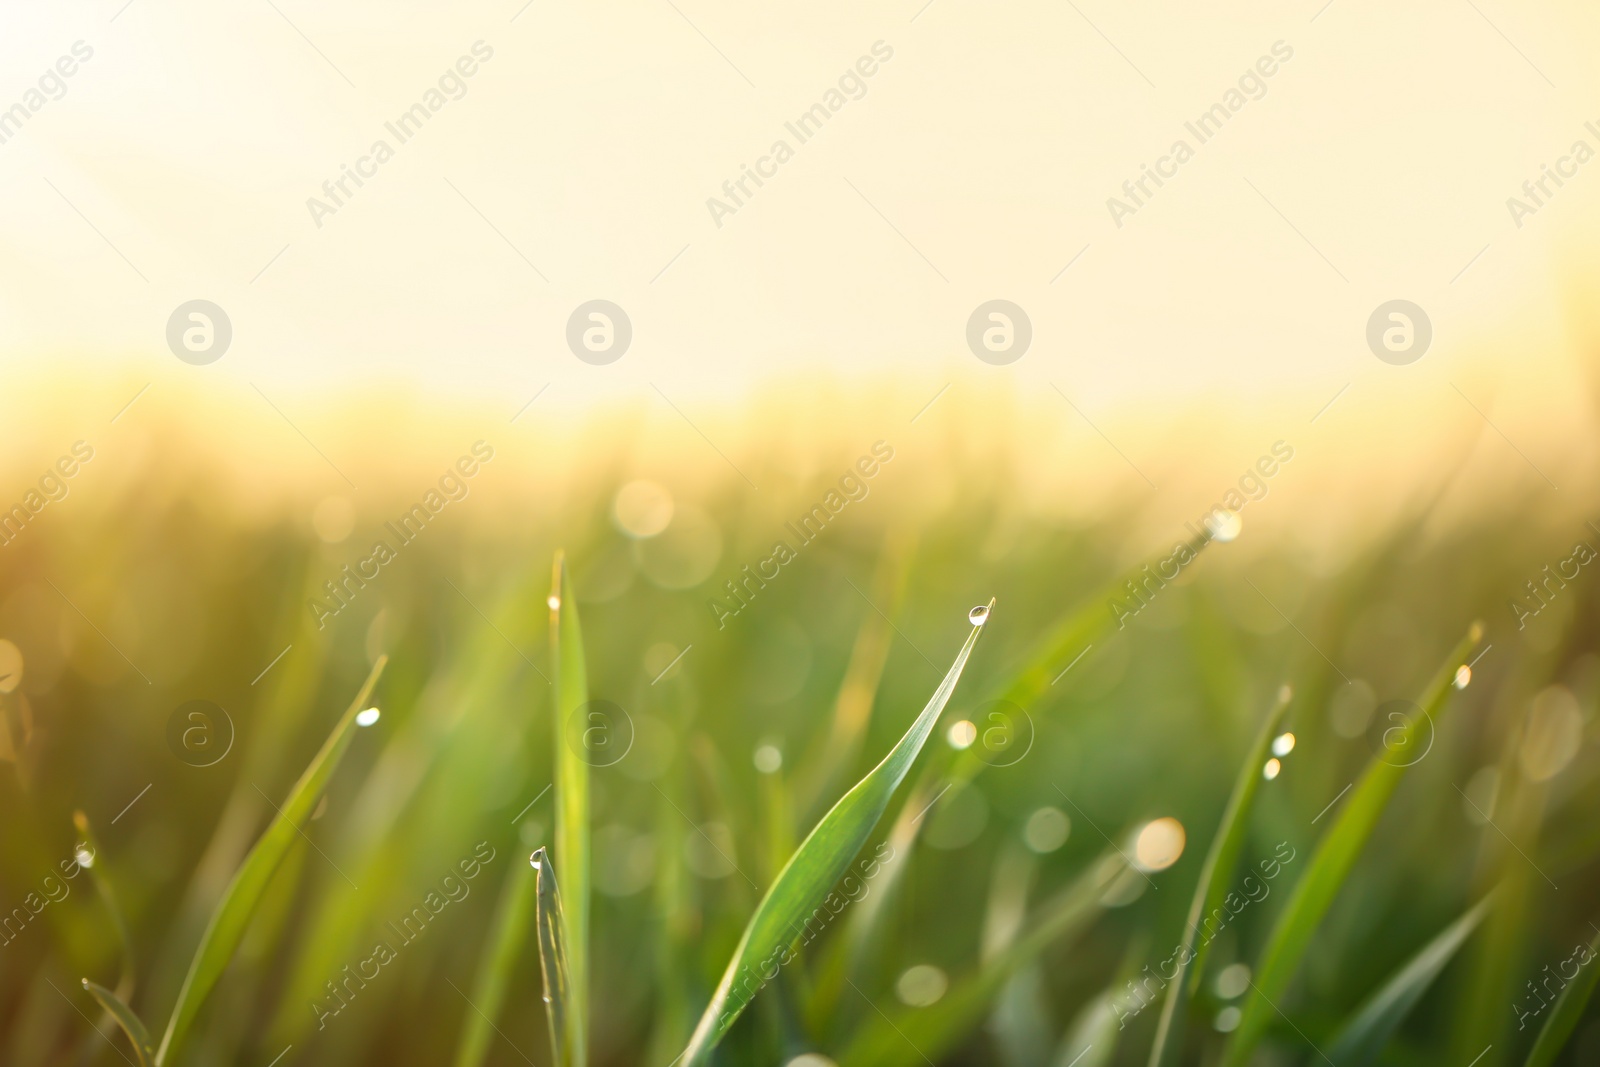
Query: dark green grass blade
<point x="1087" y="622"/>
<point x="813" y="870"/>
<point x="1336" y="854"/>
<point x="1215" y="877"/>
<point x="131" y="1025"/>
<point x="238" y="904"/>
<point x="571" y="802"/>
<point x="553" y="962"/>
<point x="1569" y="1007"/>
<point x="1362" y="1037"/>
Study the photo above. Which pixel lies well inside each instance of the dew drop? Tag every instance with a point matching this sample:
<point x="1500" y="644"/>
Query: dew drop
<point x="554" y="602"/>
<point x="368" y="717"/>
<point x="1224" y="525"/>
<point x="1283" y="744"/>
<point x="978" y="615"/>
<point x="534" y="861"/>
<point x="1270" y="771"/>
<point x="84" y="857"/>
<point x="1463" y="676"/>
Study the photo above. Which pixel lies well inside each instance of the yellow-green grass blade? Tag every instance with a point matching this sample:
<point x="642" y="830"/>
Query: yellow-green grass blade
<point x="1092" y="620"/>
<point x="553" y="962"/>
<point x="571" y="801"/>
<point x="244" y="892"/>
<point x="1215" y="877"/>
<point x="1335" y="855"/>
<point x="108" y="898"/>
<point x="1364" y="1035"/>
<point x="131" y="1025"/>
<point x="507" y="933"/>
<point x="1087" y="622"/>
<point x="1557" y="1029"/>
<point x="808" y="877"/>
<point x="915" y="1035"/>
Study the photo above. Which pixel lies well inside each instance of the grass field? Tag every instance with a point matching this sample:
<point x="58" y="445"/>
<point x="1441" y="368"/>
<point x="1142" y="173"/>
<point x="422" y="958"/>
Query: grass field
<point x="1173" y="799"/>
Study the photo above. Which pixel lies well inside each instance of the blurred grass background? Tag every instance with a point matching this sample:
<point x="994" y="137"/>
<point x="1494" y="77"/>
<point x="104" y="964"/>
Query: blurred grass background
<point x="181" y="561"/>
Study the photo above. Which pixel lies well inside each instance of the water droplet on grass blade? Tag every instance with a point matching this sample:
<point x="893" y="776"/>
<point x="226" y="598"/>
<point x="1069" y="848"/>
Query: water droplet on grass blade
<point x="554" y="602"/>
<point x="368" y="717"/>
<point x="84" y="857"/>
<point x="979" y="615"/>
<point x="1283" y="744"/>
<point x="1463" y="676"/>
<point x="533" y="861"/>
<point x="1270" y="771"/>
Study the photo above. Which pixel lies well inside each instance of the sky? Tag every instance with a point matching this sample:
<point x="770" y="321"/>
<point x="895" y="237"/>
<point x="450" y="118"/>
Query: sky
<point x="585" y="155"/>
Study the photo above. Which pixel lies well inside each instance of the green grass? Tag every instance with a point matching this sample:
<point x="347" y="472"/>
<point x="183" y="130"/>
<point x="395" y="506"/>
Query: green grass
<point x="229" y="900"/>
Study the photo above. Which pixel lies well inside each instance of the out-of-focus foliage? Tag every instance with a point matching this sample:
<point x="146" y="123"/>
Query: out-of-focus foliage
<point x="373" y="938"/>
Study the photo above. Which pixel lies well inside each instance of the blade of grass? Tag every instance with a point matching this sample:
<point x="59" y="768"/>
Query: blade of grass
<point x="553" y="962"/>
<point x="815" y="867"/>
<point x="915" y="1035"/>
<point x="571" y="801"/>
<point x="244" y="892"/>
<point x="1088" y="621"/>
<point x="1336" y="854"/>
<point x="1564" y="1017"/>
<point x="131" y="1025"/>
<point x="1360" y="1040"/>
<point x="1209" y="895"/>
<point x="108" y="898"/>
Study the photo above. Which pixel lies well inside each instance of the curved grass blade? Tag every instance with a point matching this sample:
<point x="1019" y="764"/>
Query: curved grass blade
<point x="812" y="871"/>
<point x="1213" y="889"/>
<point x="553" y="959"/>
<point x="131" y="1025"/>
<point x="572" y="799"/>
<point x="1361" y="1038"/>
<point x="1336" y="854"/>
<point x="1088" y="621"/>
<point x="108" y="898"/>
<point x="506" y="933"/>
<point x="244" y="892"/>
<point x="917" y="1035"/>
<point x="1568" y="1010"/>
